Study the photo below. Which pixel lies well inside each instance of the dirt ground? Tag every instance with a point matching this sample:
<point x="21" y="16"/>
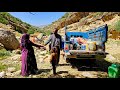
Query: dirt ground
<point x="80" y="68"/>
<point x="76" y="69"/>
<point x="70" y="70"/>
<point x="64" y="70"/>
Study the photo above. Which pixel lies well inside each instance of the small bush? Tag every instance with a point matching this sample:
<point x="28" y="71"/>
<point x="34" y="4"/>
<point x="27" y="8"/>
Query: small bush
<point x="117" y="26"/>
<point x="2" y="67"/>
<point x="30" y="31"/>
<point x="65" y="15"/>
<point x="45" y="32"/>
<point x="18" y="29"/>
<point x="4" y="54"/>
<point x="48" y="32"/>
<point x="3" y="20"/>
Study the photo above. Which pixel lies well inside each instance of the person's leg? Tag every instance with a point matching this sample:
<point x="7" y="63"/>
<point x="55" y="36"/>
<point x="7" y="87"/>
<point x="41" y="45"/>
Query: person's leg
<point x="58" y="56"/>
<point x="24" y="68"/>
<point x="54" y="67"/>
<point x="30" y="65"/>
<point x="34" y="62"/>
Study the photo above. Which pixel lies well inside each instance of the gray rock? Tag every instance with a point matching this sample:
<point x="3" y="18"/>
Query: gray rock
<point x="34" y="76"/>
<point x="43" y="52"/>
<point x="110" y="57"/>
<point x="16" y="51"/>
<point x="40" y="36"/>
<point x="16" y="57"/>
<point x="2" y="74"/>
<point x="30" y="76"/>
<point x="42" y="60"/>
<point x="8" y="74"/>
<point x="11" y="69"/>
<point x="17" y="72"/>
<point x="8" y="39"/>
<point x="88" y="75"/>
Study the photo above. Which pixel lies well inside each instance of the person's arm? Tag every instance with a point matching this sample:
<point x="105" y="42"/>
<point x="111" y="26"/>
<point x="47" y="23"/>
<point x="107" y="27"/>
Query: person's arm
<point x="50" y="38"/>
<point x="52" y="56"/>
<point x="36" y="45"/>
<point x="60" y="42"/>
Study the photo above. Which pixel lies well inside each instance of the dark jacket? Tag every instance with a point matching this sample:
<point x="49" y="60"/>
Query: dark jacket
<point x="52" y="39"/>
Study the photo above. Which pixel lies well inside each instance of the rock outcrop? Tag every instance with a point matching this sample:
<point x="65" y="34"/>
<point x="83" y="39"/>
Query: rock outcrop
<point x="72" y="17"/>
<point x="82" y="19"/>
<point x="8" y="39"/>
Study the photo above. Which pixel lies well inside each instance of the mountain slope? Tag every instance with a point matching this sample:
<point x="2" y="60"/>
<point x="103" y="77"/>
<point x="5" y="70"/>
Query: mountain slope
<point x="82" y="21"/>
<point x="15" y="23"/>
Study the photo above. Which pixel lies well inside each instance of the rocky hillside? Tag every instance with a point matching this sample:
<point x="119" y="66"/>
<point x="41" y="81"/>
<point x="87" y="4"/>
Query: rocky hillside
<point x="7" y="21"/>
<point x="82" y="21"/>
<point x="69" y="18"/>
<point x="11" y="29"/>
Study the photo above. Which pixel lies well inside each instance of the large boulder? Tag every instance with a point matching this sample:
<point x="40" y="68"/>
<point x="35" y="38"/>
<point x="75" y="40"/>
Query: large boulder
<point x="8" y="39"/>
<point x="40" y="36"/>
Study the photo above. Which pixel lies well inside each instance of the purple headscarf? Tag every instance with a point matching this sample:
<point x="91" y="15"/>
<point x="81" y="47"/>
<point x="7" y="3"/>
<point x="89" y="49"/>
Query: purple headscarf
<point x="25" y="40"/>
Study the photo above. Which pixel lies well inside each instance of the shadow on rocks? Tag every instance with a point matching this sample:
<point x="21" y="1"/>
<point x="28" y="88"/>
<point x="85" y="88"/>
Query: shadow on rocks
<point x="43" y="70"/>
<point x="64" y="64"/>
<point x="61" y="72"/>
<point x="55" y="76"/>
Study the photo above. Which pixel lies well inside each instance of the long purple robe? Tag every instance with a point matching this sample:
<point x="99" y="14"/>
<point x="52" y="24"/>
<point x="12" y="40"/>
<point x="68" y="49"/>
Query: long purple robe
<point x="29" y="65"/>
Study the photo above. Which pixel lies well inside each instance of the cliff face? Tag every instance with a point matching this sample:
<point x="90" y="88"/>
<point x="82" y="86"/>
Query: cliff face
<point x="84" y="18"/>
<point x="14" y="23"/>
<point x="83" y="21"/>
<point x="69" y="18"/>
<point x="73" y="17"/>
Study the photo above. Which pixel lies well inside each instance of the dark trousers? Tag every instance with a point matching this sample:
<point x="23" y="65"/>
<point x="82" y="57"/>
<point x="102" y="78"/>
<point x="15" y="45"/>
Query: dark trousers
<point x="54" y="67"/>
<point x="49" y="47"/>
<point x="58" y="58"/>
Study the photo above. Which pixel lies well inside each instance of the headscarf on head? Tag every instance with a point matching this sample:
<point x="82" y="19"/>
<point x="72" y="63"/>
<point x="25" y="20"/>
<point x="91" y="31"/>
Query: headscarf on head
<point x="25" y="40"/>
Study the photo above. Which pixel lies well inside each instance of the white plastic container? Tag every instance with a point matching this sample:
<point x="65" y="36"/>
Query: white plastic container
<point x="92" y="45"/>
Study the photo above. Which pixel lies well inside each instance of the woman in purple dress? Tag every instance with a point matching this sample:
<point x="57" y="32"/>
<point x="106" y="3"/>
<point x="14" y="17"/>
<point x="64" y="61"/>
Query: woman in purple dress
<point x="29" y="65"/>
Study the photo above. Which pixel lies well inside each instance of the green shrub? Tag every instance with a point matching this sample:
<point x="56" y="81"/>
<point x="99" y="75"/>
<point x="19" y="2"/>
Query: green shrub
<point x="30" y="31"/>
<point x="45" y="32"/>
<point x="48" y="32"/>
<point x="2" y="67"/>
<point x="110" y="27"/>
<point x="4" y="54"/>
<point x="117" y="26"/>
<point x="3" y="20"/>
<point x="18" y="29"/>
<point x="65" y="15"/>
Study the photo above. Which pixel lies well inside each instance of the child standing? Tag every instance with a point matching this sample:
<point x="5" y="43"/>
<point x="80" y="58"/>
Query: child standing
<point x="53" y="59"/>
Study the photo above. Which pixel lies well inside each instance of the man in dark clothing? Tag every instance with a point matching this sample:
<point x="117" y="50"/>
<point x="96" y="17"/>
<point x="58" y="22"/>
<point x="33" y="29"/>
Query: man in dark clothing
<point x="56" y="41"/>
